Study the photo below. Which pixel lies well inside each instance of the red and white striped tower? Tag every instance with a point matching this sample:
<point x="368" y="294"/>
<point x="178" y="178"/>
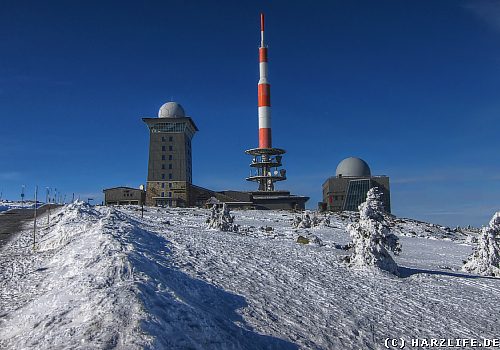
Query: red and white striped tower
<point x="264" y="91"/>
<point x="266" y="160"/>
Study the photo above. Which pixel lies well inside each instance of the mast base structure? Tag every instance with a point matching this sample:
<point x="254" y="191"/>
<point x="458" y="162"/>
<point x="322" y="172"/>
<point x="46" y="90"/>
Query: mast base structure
<point x="265" y="167"/>
<point x="265" y="170"/>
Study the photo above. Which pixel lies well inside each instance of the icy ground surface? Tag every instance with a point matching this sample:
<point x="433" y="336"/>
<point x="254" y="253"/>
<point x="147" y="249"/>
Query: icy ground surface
<point x="107" y="278"/>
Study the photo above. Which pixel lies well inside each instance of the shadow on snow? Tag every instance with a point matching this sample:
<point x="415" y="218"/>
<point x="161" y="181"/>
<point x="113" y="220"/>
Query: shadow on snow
<point x="405" y="272"/>
<point x="188" y="313"/>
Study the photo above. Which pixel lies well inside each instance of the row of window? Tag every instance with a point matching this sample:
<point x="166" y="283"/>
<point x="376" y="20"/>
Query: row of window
<point x="169" y="166"/>
<point x="164" y="157"/>
<point x="169" y="194"/>
<point x="169" y="127"/>
<point x="169" y="176"/>
<point x="164" y="148"/>
<point x="169" y="185"/>
<point x="170" y="138"/>
<point x="173" y="127"/>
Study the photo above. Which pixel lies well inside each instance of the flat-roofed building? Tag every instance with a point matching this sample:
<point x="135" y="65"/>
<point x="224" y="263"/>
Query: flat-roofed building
<point x="124" y="195"/>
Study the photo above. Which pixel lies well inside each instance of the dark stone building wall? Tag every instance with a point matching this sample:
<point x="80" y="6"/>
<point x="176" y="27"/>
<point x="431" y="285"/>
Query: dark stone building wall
<point x="170" y="161"/>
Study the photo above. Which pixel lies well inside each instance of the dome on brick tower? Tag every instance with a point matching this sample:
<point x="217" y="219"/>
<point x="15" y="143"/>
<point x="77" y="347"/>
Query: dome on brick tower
<point x="171" y="110"/>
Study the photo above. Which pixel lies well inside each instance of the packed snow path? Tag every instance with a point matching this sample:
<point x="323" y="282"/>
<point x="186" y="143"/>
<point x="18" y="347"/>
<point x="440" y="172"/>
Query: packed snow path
<point x="107" y="278"/>
<point x="12" y="219"/>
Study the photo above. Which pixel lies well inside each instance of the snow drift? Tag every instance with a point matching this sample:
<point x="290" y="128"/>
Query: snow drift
<point x="98" y="281"/>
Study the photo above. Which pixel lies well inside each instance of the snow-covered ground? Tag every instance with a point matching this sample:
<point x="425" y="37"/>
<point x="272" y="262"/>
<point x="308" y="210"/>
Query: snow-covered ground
<point x="7" y="205"/>
<point x="106" y="278"/>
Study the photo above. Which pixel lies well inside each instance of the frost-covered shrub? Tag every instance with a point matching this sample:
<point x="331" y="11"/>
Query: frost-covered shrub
<point x="372" y="239"/>
<point x="305" y="221"/>
<point x="485" y="260"/>
<point x="221" y="219"/>
<point x="325" y="221"/>
<point x="471" y="238"/>
<point x="315" y="221"/>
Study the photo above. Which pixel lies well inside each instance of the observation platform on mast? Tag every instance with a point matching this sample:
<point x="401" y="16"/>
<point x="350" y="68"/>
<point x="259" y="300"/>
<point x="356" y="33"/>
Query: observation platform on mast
<point x="265" y="151"/>
<point x="266" y="162"/>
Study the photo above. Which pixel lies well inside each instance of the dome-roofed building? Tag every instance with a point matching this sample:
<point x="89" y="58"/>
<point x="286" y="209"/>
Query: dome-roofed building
<point x="347" y="189"/>
<point x="170" y="158"/>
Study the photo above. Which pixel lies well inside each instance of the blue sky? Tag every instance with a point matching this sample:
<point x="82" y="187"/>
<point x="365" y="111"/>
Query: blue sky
<point x="412" y="87"/>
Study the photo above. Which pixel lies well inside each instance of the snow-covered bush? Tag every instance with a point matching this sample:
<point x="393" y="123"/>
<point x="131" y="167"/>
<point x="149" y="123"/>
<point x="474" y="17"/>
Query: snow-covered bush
<point x="471" y="238"/>
<point x="372" y="239"/>
<point x="325" y="221"/>
<point x="221" y="219"/>
<point x="305" y="221"/>
<point x="485" y="260"/>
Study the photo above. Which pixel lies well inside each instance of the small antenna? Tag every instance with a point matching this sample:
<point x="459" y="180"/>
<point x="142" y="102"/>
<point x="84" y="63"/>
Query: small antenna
<point x="262" y="30"/>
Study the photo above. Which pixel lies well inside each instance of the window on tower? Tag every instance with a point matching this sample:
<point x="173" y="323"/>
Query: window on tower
<point x="163" y="148"/>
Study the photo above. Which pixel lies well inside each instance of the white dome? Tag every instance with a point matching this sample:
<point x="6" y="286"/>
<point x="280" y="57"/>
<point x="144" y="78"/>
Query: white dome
<point x="171" y="110"/>
<point x="354" y="167"/>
